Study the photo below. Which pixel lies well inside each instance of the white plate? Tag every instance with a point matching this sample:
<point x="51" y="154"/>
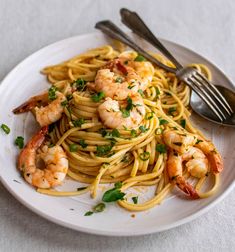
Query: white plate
<point x="25" y="80"/>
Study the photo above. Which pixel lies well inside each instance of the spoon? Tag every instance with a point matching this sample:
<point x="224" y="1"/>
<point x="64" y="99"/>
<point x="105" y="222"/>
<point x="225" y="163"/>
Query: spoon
<point x="201" y="108"/>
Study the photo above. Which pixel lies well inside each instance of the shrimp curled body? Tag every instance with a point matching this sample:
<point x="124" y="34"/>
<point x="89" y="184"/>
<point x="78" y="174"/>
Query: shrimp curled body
<point x="112" y="115"/>
<point x="55" y="160"/>
<point x="197" y="154"/>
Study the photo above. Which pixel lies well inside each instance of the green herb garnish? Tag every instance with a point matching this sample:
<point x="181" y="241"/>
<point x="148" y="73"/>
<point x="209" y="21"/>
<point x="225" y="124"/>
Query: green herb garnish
<point x="19" y="141"/>
<point x="78" y="122"/>
<point x="143" y="129"/>
<point x="140" y="91"/>
<point x="89" y="213"/>
<point x="103" y="150"/>
<point x="135" y="199"/>
<point x="97" y="97"/>
<point x="144" y="156"/>
<point x="161" y="148"/>
<point x="139" y="58"/>
<point x="99" y="208"/>
<point x="80" y="84"/>
<point x="183" y="123"/>
<point x="158" y="131"/>
<point x="52" y="93"/>
<point x="133" y="133"/>
<point x="64" y="103"/>
<point x="171" y="110"/>
<point x="114" y="194"/>
<point x="162" y="121"/>
<point x="5" y="128"/>
<point x="82" y="143"/>
<point x="198" y="141"/>
<point x="73" y="147"/>
<point x="125" y="113"/>
<point x="129" y="104"/>
<point x="149" y="116"/>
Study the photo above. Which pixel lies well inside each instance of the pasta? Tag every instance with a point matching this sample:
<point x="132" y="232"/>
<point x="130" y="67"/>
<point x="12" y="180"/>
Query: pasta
<point x="135" y="156"/>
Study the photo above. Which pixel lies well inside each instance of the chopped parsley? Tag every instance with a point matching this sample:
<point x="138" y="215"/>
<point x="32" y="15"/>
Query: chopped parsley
<point x="82" y="143"/>
<point x="78" y="122"/>
<point x="79" y="84"/>
<point x="161" y="148"/>
<point x="183" y="123"/>
<point x="144" y="156"/>
<point x="143" y="129"/>
<point x="107" y="134"/>
<point x="125" y="113"/>
<point x="5" y="128"/>
<point x="139" y="58"/>
<point x="114" y="194"/>
<point x="103" y="150"/>
<point x="73" y="147"/>
<point x="97" y="97"/>
<point x="64" y="103"/>
<point x="135" y="199"/>
<point x="129" y="104"/>
<point x="140" y="91"/>
<point x="52" y="93"/>
<point x="162" y="121"/>
<point x="133" y="133"/>
<point x="19" y="141"/>
<point x="89" y="213"/>
<point x="171" y="110"/>
<point x="198" y="141"/>
<point x="157" y="91"/>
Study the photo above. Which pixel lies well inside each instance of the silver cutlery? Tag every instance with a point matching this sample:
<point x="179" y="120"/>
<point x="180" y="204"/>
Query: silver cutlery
<point x="222" y="112"/>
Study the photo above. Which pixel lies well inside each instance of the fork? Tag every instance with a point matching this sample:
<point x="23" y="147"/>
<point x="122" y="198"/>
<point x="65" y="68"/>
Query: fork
<point x="199" y="83"/>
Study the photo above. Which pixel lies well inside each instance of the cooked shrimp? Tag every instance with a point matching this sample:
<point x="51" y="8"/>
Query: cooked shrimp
<point x="56" y="163"/>
<point x="178" y="141"/>
<point x="119" y="79"/>
<point x="114" y="115"/>
<point x="215" y="159"/>
<point x="50" y="113"/>
<point x="175" y="172"/>
<point x="197" y="158"/>
<point x="144" y="70"/>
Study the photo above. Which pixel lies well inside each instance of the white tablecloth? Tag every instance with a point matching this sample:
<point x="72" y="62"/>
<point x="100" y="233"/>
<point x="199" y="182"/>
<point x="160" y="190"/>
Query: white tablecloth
<point x="204" y="26"/>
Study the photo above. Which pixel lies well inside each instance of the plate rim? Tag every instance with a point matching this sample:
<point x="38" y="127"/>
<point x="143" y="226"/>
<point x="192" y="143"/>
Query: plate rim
<point x="60" y="222"/>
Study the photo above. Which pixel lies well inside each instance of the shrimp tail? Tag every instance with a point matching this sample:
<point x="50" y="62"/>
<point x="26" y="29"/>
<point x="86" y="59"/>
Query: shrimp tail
<point x="216" y="162"/>
<point x="31" y="103"/>
<point x="34" y="143"/>
<point x="186" y="187"/>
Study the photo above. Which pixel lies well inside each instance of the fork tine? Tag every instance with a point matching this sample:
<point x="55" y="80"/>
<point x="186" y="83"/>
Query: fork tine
<point x="206" y="98"/>
<point x="216" y="93"/>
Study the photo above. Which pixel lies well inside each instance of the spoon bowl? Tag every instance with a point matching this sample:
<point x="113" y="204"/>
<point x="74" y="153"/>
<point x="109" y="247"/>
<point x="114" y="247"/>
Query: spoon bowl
<point x="201" y="108"/>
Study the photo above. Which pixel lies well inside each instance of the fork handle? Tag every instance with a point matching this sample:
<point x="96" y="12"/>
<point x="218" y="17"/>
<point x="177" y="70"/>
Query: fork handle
<point x="137" y="25"/>
<point x="113" y="31"/>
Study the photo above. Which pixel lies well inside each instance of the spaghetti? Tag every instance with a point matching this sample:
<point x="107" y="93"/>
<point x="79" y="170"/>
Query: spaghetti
<point x="133" y="156"/>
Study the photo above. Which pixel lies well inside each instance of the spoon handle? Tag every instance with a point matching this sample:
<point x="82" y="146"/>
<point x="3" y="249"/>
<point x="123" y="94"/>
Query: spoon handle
<point x="113" y="31"/>
<point x="137" y="25"/>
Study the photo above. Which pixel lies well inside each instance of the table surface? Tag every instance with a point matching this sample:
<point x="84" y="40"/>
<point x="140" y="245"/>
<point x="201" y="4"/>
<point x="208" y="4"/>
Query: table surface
<point x="204" y="26"/>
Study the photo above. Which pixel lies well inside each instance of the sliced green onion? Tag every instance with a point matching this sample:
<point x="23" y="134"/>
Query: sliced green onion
<point x="149" y="115"/>
<point x="19" y="141"/>
<point x="144" y="156"/>
<point x="5" y="128"/>
<point x="158" y="131"/>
